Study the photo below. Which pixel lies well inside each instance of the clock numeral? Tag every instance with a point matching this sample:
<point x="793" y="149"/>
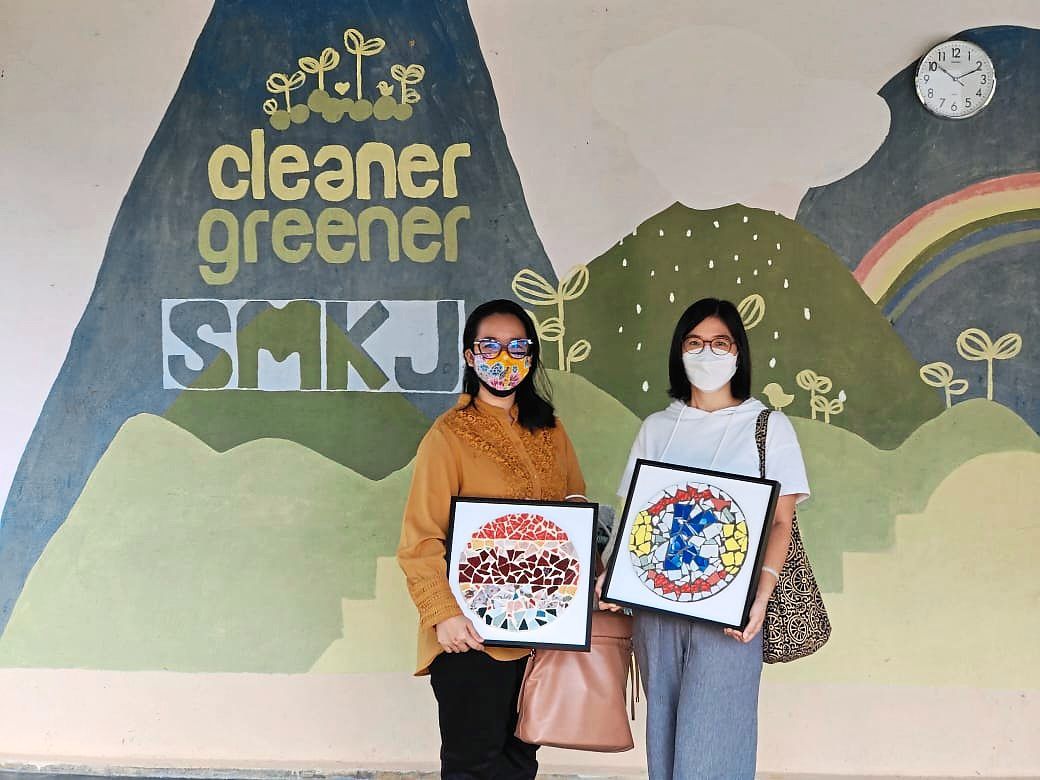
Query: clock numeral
<point x="942" y="101"/>
<point x="967" y="102"/>
<point x="933" y="66"/>
<point x="979" y="93"/>
<point x="983" y="78"/>
<point x="931" y="92"/>
<point x="941" y="55"/>
<point x="978" y="63"/>
<point x="924" y="78"/>
<point x="953" y="106"/>
<point x="956" y="52"/>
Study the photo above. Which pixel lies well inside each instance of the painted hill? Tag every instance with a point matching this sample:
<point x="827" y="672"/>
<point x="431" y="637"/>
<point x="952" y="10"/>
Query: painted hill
<point x="177" y="557"/>
<point x="811" y="315"/>
<point x="341" y="426"/>
<point x="859" y="490"/>
<point x="935" y="608"/>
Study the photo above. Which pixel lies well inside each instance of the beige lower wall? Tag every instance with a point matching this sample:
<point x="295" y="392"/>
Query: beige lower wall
<point x="339" y="722"/>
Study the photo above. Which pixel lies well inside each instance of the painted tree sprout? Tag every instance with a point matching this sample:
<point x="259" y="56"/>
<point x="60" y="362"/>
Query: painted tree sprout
<point x="355" y="43"/>
<point x="284" y="84"/>
<point x="319" y="66"/>
<point x="818" y="386"/>
<point x="333" y="108"/>
<point x="531" y="287"/>
<point x="975" y="344"/>
<point x="940" y="374"/>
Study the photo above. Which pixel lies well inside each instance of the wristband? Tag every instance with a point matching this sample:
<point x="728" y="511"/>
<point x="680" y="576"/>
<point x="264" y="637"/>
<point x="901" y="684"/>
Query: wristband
<point x="774" y="572"/>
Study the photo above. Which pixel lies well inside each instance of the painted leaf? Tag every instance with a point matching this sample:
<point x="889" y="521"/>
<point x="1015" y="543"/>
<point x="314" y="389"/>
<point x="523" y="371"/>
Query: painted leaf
<point x="752" y="309"/>
<point x="353" y="40"/>
<point x="937" y="374"/>
<point x="296" y="80"/>
<point x="309" y="64"/>
<point x="806" y="379"/>
<point x="1007" y="346"/>
<point x="575" y="283"/>
<point x="397" y="70"/>
<point x="373" y="46"/>
<point x="551" y="329"/>
<point x="957" y="387"/>
<point x="531" y="287"/>
<point x="329" y="58"/>
<point x="819" y="404"/>
<point x="277" y="82"/>
<point x="974" y="344"/>
<point x="823" y="384"/>
<point x="270" y="106"/>
<point x="579" y="351"/>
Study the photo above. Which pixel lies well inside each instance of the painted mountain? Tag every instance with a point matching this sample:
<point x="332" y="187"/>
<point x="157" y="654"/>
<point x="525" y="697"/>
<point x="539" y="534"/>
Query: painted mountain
<point x="820" y="347"/>
<point x="941" y="227"/>
<point x="321" y="151"/>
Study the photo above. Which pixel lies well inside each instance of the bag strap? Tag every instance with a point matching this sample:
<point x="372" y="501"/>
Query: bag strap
<point x="761" y="429"/>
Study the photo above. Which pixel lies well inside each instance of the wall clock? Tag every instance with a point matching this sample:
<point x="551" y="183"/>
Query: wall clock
<point x="955" y="80"/>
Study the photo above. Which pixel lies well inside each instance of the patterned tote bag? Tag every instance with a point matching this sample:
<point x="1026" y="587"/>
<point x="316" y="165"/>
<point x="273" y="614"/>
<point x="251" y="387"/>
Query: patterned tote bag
<point x="796" y="622"/>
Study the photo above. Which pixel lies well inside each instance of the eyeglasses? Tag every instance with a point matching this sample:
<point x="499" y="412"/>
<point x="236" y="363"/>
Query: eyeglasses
<point x="720" y="345"/>
<point x="492" y="348"/>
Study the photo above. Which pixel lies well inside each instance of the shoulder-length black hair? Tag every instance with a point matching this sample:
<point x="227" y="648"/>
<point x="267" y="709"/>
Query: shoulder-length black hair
<point x="533" y="394"/>
<point x="740" y="384"/>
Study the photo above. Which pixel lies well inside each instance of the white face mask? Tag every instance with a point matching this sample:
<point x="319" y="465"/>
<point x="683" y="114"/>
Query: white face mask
<point x="707" y="371"/>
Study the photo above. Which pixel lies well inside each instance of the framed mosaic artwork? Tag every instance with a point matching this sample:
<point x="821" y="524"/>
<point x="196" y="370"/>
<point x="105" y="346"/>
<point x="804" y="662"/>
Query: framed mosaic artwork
<point x="691" y="542"/>
<point x="524" y="571"/>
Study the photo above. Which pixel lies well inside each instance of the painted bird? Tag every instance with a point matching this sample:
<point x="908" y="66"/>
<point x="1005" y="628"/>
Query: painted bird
<point x="385" y="89"/>
<point x="776" y="395"/>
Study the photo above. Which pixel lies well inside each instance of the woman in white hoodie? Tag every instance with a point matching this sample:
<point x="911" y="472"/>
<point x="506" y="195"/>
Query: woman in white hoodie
<point x="701" y="681"/>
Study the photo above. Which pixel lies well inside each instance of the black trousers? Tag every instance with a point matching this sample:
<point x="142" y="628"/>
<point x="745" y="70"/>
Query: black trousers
<point x="476" y="702"/>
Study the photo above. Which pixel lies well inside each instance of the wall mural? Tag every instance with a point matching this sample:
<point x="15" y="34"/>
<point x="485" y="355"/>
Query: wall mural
<point x="216" y="480"/>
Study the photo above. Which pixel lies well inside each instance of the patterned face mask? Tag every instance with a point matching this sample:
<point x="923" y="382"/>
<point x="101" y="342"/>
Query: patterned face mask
<point x="503" y="373"/>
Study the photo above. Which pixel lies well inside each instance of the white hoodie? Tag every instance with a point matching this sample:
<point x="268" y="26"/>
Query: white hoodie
<point x="722" y="441"/>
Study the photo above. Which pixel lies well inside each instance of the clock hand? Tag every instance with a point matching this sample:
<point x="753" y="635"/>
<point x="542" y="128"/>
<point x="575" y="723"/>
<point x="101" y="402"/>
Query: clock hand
<point x="963" y="75"/>
<point x="955" y="78"/>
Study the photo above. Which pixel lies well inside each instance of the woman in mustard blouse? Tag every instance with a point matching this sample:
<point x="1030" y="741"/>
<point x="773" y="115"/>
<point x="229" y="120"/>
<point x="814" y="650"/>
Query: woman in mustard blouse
<point x="502" y="440"/>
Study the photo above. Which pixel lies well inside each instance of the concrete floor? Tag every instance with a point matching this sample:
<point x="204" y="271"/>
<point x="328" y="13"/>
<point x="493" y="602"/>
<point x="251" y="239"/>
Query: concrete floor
<point x="129" y="773"/>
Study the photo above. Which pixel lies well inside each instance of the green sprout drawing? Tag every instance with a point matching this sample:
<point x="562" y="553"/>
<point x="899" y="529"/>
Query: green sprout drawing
<point x="530" y="287"/>
<point x="940" y="375"/>
<point x="326" y="61"/>
<point x="355" y="43"/>
<point x="283" y="84"/>
<point x="406" y="76"/>
<point x="821" y="404"/>
<point x="752" y="309"/>
<point x="818" y="387"/>
<point x="778" y="399"/>
<point x="975" y="344"/>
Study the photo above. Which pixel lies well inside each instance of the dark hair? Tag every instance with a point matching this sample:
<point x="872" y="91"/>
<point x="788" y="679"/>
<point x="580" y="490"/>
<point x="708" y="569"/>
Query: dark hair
<point x="533" y="394"/>
<point x="740" y="384"/>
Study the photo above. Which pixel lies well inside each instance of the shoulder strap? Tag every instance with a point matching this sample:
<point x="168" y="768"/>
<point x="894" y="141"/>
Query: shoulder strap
<point x="761" y="428"/>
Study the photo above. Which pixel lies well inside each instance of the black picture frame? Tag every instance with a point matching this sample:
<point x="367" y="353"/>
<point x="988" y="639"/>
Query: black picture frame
<point x="588" y="593"/>
<point x="625" y="520"/>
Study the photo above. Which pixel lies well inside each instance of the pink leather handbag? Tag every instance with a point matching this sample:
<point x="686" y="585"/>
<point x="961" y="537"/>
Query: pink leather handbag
<point x="577" y="700"/>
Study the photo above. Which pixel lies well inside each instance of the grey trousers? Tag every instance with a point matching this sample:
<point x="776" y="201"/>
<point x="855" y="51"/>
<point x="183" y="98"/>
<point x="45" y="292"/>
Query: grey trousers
<point x="701" y="699"/>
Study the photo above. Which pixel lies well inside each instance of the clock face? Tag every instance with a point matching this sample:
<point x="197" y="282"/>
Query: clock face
<point x="955" y="80"/>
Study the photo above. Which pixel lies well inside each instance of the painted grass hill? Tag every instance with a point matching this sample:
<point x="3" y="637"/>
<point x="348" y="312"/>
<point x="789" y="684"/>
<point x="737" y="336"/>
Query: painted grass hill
<point x="182" y="558"/>
<point x="806" y="312"/>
